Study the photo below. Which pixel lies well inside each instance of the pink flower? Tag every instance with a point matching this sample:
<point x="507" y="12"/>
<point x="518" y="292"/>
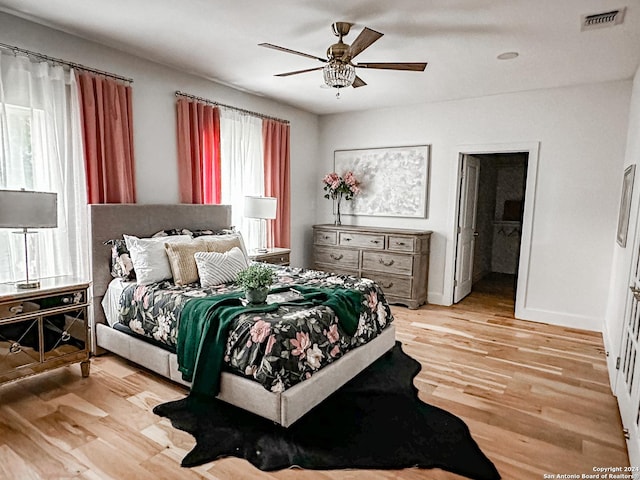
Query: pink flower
<point x="335" y="186"/>
<point x="270" y="343"/>
<point x="301" y="344"/>
<point x="335" y="351"/>
<point x="260" y="331"/>
<point x="333" y="334"/>
<point x="372" y="299"/>
<point x="138" y="293"/>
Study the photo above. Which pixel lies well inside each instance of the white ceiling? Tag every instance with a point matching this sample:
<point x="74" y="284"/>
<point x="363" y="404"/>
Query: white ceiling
<point x="459" y="39"/>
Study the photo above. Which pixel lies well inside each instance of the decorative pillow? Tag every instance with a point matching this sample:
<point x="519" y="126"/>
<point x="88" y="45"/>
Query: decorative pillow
<point x="224" y="243"/>
<point x="183" y="265"/>
<point x="172" y="232"/>
<point x="216" y="268"/>
<point x="193" y="233"/>
<point x="121" y="264"/>
<point x="224" y="231"/>
<point x="149" y="258"/>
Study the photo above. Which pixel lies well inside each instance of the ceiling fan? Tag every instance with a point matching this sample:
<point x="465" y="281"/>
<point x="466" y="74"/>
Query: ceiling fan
<point x="339" y="70"/>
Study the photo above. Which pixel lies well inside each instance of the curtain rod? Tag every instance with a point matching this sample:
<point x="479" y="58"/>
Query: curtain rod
<point x="77" y="66"/>
<point x="218" y="104"/>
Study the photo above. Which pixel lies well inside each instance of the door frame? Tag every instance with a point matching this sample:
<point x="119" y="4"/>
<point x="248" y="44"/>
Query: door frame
<point x="533" y="150"/>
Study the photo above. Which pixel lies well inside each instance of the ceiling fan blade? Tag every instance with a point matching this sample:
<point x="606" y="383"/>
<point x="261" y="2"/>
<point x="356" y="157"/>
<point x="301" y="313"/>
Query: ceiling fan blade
<point x="288" y="50"/>
<point x="298" y="71"/>
<point x="364" y="40"/>
<point x="415" y="67"/>
<point x="358" y="82"/>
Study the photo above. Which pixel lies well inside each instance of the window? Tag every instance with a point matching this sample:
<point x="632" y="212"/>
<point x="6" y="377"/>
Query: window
<point x="41" y="149"/>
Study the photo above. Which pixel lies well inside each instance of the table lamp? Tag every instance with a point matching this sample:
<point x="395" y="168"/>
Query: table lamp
<point x="28" y="209"/>
<point x="263" y="209"/>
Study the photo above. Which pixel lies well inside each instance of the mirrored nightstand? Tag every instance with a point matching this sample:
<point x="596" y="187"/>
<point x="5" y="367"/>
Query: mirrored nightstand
<point x="276" y="256"/>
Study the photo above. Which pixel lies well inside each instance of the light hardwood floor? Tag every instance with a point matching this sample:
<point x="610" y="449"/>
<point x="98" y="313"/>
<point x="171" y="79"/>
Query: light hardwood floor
<point x="535" y="397"/>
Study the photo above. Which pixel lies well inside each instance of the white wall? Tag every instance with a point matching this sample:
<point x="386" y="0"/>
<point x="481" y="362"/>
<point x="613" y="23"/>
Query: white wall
<point x="622" y="257"/>
<point x="155" y="120"/>
<point x="582" y="132"/>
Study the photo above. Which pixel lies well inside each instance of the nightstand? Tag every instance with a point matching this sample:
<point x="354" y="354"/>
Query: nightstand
<point x="43" y="328"/>
<point x="277" y="256"/>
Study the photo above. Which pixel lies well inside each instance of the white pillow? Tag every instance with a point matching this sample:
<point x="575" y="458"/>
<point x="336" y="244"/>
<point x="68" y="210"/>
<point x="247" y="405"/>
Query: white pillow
<point x="215" y="268"/>
<point x="149" y="258"/>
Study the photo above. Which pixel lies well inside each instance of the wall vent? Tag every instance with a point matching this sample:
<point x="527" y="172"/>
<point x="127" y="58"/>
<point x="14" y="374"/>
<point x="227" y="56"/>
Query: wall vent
<point x="605" y="19"/>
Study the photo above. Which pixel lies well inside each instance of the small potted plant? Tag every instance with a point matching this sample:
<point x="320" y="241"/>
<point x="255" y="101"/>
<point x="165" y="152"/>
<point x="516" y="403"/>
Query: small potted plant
<point x="255" y="280"/>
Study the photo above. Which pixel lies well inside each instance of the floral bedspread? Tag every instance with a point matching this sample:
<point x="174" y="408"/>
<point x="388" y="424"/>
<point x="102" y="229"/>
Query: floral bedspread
<point x="278" y="349"/>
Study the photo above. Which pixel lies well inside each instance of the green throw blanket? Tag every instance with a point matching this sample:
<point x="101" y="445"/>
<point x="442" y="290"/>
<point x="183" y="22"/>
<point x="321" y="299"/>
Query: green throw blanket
<point x="204" y="325"/>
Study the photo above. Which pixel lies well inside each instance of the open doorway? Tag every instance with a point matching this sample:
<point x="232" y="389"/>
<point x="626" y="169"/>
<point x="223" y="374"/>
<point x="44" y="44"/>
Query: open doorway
<point x="490" y="219"/>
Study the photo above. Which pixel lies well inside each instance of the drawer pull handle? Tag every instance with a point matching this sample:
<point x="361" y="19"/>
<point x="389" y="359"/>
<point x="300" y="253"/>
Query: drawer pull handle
<point x="400" y="244"/>
<point x="389" y="285"/>
<point x="326" y="237"/>
<point x="386" y="264"/>
<point x="347" y="239"/>
<point x="66" y="299"/>
<point x="336" y="257"/>
<point x="375" y="241"/>
<point x="15" y="348"/>
<point x="65" y="336"/>
<point x="16" y="309"/>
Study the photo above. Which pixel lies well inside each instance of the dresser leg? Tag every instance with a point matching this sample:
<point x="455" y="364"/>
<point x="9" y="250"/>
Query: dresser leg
<point x="84" y="368"/>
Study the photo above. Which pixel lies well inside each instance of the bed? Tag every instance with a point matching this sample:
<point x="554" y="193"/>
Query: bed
<point x="283" y="406"/>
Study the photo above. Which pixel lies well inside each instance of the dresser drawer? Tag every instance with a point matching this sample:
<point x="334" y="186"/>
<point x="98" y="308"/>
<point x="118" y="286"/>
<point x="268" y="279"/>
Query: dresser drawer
<point x="401" y="244"/>
<point x="340" y="257"/>
<point x="393" y="286"/>
<point x="17" y="309"/>
<point x="361" y="240"/>
<point x="325" y="237"/>
<point x="387" y="262"/>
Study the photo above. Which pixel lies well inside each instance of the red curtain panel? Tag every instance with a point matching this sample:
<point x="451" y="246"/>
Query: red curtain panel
<point x="198" y="151"/>
<point x="275" y="136"/>
<point x="107" y="120"/>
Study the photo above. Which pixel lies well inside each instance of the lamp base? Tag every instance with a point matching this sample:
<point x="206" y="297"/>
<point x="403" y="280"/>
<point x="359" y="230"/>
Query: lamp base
<point x="28" y="285"/>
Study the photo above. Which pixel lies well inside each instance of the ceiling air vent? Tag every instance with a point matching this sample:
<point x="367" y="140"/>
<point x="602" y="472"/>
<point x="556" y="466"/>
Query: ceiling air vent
<point x="605" y="19"/>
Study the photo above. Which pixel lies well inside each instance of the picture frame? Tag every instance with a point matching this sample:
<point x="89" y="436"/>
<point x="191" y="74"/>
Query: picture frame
<point x="394" y="181"/>
<point x="625" y="205"/>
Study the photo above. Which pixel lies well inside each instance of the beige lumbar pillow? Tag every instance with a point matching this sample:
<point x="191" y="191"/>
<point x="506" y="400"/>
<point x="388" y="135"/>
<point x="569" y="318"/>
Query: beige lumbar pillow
<point x="224" y="243"/>
<point x="182" y="261"/>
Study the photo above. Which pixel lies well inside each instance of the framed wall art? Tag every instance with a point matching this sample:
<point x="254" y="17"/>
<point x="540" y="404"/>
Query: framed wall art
<point x="625" y="205"/>
<point x="394" y="180"/>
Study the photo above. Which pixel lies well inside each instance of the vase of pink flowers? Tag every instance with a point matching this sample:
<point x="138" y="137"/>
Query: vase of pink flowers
<point x="337" y="187"/>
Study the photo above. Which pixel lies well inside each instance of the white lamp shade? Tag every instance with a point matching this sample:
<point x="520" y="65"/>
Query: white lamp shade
<point x="260" y="207"/>
<point x="25" y="209"/>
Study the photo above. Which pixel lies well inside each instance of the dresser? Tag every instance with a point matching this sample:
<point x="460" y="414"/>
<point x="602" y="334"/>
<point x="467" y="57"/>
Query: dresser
<point x="43" y="328"/>
<point x="396" y="259"/>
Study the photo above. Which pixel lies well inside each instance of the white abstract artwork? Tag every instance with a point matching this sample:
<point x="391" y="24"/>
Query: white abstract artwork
<point x="394" y="181"/>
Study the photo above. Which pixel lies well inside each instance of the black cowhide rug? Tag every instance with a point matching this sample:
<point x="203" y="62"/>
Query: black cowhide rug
<point x="376" y="421"/>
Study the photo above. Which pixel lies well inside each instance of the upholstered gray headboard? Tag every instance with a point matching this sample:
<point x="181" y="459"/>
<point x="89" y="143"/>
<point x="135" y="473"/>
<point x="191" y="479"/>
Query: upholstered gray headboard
<point x="111" y="221"/>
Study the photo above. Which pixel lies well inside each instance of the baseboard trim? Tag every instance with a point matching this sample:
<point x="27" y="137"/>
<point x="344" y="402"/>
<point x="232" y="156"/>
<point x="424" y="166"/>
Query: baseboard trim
<point x="582" y="322"/>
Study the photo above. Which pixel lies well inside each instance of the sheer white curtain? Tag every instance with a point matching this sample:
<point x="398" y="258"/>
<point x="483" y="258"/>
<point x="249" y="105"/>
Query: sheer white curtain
<point x="241" y="168"/>
<point x="41" y="149"/>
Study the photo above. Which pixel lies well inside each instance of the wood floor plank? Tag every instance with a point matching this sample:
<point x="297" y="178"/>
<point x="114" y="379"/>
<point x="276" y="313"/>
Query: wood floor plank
<point x="536" y="398"/>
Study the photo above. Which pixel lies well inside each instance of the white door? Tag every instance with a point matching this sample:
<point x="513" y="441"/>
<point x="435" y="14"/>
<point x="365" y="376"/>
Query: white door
<point x="469" y="178"/>
<point x="628" y="384"/>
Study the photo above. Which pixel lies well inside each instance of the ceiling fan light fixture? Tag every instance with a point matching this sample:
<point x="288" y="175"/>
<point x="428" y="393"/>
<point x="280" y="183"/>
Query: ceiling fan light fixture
<point x="338" y="74"/>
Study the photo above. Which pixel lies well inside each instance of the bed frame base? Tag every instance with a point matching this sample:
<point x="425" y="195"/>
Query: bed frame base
<point x="283" y="408"/>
